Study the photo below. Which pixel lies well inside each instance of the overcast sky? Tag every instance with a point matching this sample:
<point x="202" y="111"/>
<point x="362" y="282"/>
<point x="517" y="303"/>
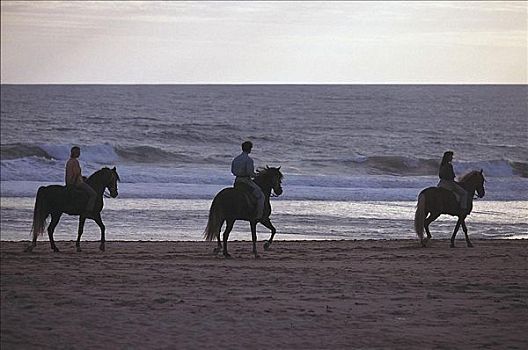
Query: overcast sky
<point x="264" y="42"/>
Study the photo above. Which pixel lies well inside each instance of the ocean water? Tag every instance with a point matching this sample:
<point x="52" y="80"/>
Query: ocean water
<point x="354" y="157"/>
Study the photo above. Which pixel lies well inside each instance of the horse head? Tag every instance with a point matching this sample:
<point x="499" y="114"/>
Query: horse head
<point x="480" y="184"/>
<point x="474" y="181"/>
<point x="103" y="179"/>
<point x="111" y="184"/>
<point x="270" y="178"/>
<point x="276" y="180"/>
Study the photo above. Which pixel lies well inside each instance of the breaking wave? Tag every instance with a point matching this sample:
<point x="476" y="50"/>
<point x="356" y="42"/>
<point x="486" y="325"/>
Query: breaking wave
<point x="22" y="161"/>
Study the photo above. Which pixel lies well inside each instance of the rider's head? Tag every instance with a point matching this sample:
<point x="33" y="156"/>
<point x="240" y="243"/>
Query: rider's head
<point x="247" y="146"/>
<point x="75" y="152"/>
<point x="448" y="156"/>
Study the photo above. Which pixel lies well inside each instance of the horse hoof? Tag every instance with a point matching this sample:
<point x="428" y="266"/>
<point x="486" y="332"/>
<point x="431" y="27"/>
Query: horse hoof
<point x="452" y="245"/>
<point x="56" y="250"/>
<point x="470" y="245"/>
<point x="217" y="250"/>
<point x="29" y="249"/>
<point x="257" y="256"/>
<point x="102" y="247"/>
<point x="267" y="245"/>
<point x="227" y="256"/>
<point x="79" y="249"/>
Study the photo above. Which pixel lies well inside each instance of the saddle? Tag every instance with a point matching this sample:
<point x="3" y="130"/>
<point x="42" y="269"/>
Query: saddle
<point x="247" y="191"/>
<point x="453" y="198"/>
<point x="76" y="199"/>
<point x="456" y="195"/>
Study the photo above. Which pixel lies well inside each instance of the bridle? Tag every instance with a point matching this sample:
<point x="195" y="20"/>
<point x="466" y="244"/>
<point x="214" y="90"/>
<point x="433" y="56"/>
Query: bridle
<point x="482" y="186"/>
<point x="112" y="180"/>
<point x="273" y="194"/>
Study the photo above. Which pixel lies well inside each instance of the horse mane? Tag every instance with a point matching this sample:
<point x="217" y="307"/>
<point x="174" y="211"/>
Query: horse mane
<point x="99" y="173"/>
<point x="266" y="172"/>
<point x="469" y="175"/>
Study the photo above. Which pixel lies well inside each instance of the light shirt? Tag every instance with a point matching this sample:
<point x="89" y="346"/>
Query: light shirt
<point x="73" y="172"/>
<point x="242" y="166"/>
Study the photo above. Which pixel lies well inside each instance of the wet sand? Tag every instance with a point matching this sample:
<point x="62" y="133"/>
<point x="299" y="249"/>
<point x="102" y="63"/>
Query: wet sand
<point x="299" y="295"/>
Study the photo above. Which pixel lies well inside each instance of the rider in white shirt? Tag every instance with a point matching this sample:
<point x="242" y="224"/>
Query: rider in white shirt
<point x="244" y="170"/>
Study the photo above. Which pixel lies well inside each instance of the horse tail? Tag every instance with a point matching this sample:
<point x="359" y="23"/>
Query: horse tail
<point x="419" y="216"/>
<point x="40" y="213"/>
<point x="215" y="222"/>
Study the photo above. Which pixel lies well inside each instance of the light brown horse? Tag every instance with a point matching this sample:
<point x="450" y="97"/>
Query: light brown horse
<point x="233" y="203"/>
<point x="435" y="201"/>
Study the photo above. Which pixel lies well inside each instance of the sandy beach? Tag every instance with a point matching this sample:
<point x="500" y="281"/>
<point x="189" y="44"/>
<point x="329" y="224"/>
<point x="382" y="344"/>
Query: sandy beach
<point x="299" y="295"/>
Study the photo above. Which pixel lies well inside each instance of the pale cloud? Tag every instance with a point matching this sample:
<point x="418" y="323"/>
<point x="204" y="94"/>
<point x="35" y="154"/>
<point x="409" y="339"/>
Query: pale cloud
<point x="354" y="42"/>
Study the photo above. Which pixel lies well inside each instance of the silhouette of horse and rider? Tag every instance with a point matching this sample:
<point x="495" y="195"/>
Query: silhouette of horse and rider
<point x="81" y="196"/>
<point x="448" y="197"/>
<point x="247" y="200"/>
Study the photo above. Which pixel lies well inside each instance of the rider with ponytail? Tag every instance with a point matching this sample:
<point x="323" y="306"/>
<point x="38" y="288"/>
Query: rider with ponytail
<point x="447" y="179"/>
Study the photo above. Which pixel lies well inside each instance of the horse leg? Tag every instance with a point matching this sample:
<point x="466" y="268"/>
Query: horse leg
<point x="51" y="228"/>
<point x="457" y="226"/>
<point x="267" y="223"/>
<point x="229" y="227"/>
<point x="254" y="237"/>
<point x="464" y="227"/>
<point x="432" y="217"/>
<point x="82" y="220"/>
<point x="218" y="248"/>
<point x="99" y="222"/>
<point x="33" y="244"/>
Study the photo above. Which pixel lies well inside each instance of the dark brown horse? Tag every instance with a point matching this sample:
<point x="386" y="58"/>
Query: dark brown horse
<point x="232" y="204"/>
<point x="435" y="201"/>
<point x="56" y="200"/>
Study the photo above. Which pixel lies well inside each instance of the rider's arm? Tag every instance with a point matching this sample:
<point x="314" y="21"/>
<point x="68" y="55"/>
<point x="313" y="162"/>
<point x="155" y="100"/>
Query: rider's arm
<point x="446" y="172"/>
<point x="250" y="168"/>
<point x="451" y="172"/>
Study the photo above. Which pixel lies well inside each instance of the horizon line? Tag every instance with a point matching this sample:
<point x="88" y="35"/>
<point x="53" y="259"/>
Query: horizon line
<point x="273" y="83"/>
